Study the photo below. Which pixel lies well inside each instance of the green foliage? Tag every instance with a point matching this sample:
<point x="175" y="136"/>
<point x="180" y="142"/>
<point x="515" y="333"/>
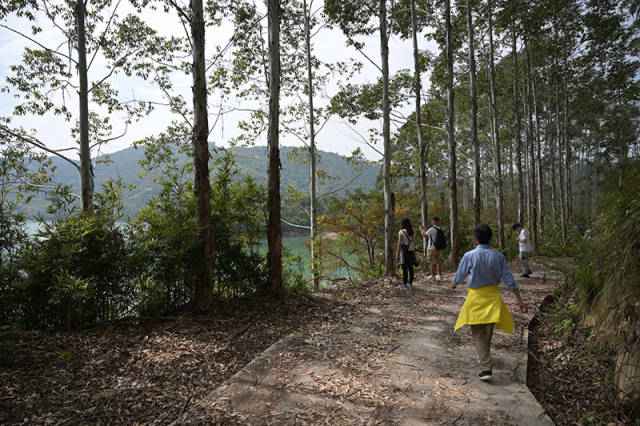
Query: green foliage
<point x="607" y="276"/>
<point x="164" y="239"/>
<point x="77" y="272"/>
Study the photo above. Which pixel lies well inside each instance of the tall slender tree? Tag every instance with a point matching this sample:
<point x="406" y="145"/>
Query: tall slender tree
<point x="274" y="227"/>
<point x="473" y="93"/>
<point x="517" y="131"/>
<point x="200" y="141"/>
<point x="495" y="128"/>
<point x="312" y="151"/>
<point x="451" y="139"/>
<point x="531" y="143"/>
<point x="422" y="145"/>
<point x="386" y="139"/>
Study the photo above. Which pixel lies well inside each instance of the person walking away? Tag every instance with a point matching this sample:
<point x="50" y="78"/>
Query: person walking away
<point x="524" y="249"/>
<point x="483" y="308"/>
<point x="436" y="243"/>
<point x="406" y="252"/>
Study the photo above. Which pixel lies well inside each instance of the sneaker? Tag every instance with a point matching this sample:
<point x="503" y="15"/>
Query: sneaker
<point x="438" y="278"/>
<point x="485" y="375"/>
<point x="525" y="276"/>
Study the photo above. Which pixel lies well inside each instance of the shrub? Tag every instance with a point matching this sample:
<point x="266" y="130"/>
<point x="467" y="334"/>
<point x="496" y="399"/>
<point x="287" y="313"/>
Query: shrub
<point x="77" y="273"/>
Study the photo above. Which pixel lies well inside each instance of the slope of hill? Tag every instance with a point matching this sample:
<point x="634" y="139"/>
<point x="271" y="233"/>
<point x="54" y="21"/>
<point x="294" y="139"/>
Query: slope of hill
<point x="341" y="176"/>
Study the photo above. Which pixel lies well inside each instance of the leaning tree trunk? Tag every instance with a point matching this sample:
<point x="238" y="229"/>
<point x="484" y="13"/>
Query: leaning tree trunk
<point x="422" y="146"/>
<point x="474" y="117"/>
<point x="86" y="169"/>
<point x="312" y="152"/>
<point x="202" y="287"/>
<point x="386" y="135"/>
<point x="274" y="230"/>
<point x="496" y="133"/>
<point x="518" y="125"/>
<point x="451" y="138"/>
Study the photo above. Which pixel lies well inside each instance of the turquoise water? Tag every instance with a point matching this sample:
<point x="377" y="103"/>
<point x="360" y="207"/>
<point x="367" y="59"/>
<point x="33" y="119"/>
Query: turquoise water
<point x="297" y="258"/>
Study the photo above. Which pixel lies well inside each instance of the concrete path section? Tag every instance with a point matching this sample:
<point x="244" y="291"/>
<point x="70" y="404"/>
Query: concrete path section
<point x="395" y="361"/>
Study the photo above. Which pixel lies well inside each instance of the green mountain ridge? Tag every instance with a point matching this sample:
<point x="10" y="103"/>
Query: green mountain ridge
<point x="339" y="175"/>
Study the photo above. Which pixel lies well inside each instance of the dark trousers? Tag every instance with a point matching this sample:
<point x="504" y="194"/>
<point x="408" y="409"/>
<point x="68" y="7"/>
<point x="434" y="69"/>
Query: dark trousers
<point x="407" y="274"/>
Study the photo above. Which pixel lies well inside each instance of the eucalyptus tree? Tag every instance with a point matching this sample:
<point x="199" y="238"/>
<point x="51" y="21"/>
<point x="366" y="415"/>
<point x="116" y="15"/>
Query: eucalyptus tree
<point x="473" y="93"/>
<point x="451" y="138"/>
<point x="94" y="32"/>
<point x="495" y="128"/>
<point x="354" y="17"/>
<point x="274" y="227"/>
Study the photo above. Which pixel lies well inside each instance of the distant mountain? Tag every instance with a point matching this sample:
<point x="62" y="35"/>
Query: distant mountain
<point x="339" y="175"/>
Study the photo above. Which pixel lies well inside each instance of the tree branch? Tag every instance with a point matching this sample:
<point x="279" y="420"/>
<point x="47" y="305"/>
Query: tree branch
<point x="38" y="43"/>
<point x="32" y="141"/>
<point x="180" y="10"/>
<point x="106" y="28"/>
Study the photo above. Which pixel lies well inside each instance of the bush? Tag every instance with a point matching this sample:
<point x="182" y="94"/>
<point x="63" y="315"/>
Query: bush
<point x="164" y="239"/>
<point x="77" y="273"/>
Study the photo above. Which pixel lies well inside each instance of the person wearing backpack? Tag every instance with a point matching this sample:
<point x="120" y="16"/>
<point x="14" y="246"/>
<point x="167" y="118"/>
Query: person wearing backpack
<point x="406" y="253"/>
<point x="436" y="243"/>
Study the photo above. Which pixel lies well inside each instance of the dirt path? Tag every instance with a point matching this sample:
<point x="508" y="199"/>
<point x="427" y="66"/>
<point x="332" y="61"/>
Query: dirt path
<point x="396" y="361"/>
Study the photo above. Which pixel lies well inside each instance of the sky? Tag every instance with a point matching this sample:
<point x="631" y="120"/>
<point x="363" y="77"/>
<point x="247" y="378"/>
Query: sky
<point x="328" y="45"/>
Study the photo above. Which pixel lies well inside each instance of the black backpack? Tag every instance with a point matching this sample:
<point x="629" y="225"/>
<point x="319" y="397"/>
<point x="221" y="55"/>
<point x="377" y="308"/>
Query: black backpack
<point x="440" y="243"/>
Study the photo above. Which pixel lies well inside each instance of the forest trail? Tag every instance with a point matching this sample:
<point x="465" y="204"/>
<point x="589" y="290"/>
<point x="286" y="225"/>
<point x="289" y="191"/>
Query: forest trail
<point x="395" y="361"/>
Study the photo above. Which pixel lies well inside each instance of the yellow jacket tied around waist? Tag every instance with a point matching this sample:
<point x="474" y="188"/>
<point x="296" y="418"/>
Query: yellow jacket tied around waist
<point x="484" y="305"/>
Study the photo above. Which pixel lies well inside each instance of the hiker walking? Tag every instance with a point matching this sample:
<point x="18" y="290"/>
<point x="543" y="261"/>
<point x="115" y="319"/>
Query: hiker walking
<point x="524" y="249"/>
<point x="436" y="243"/>
<point x="406" y="252"/>
<point x="483" y="308"/>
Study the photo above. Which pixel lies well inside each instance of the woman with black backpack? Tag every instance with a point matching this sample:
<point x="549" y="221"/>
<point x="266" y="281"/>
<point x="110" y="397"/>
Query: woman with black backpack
<point x="406" y="252"/>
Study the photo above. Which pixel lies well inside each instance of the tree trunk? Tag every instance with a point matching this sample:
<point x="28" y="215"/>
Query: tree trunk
<point x="312" y="152"/>
<point x="274" y="229"/>
<point x="552" y="163"/>
<point x="86" y="169"/>
<point x="539" y="171"/>
<point x="422" y="146"/>
<point x="561" y="170"/>
<point x="474" y="117"/>
<point x="533" y="217"/>
<point x="202" y="287"/>
<point x="453" y="183"/>
<point x="518" y="125"/>
<point x="386" y="135"/>
<point x="496" y="133"/>
<point x="567" y="158"/>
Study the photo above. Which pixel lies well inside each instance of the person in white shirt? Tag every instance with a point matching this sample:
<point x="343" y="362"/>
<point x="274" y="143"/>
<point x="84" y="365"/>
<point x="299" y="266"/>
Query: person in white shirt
<point x="524" y="248"/>
<point x="436" y="243"/>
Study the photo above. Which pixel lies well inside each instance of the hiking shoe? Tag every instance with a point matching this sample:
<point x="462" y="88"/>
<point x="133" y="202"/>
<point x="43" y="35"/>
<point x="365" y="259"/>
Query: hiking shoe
<point x="485" y="375"/>
<point x="526" y="275"/>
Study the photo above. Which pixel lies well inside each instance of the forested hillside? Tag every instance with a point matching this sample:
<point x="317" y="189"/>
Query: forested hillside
<point x="339" y="175"/>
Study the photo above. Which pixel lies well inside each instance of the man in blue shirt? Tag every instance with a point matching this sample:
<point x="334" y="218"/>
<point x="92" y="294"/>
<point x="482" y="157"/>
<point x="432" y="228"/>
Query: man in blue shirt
<point x="483" y="309"/>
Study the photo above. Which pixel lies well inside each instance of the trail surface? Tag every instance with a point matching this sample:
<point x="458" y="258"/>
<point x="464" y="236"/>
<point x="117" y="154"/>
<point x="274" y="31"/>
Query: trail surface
<point x="393" y="360"/>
